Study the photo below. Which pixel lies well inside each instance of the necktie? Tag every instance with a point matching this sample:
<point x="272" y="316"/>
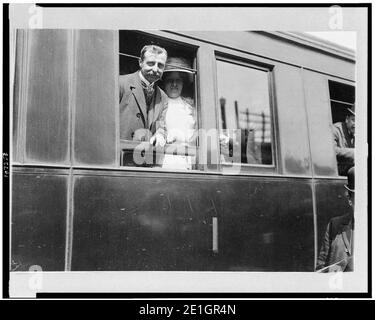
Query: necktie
<point x="351" y="141"/>
<point x="148" y="89"/>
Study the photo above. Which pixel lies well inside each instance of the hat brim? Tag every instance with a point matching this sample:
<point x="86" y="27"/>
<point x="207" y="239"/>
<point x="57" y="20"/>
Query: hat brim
<point x="347" y="188"/>
<point x="190" y="74"/>
<point x="178" y="70"/>
<point x="350" y="111"/>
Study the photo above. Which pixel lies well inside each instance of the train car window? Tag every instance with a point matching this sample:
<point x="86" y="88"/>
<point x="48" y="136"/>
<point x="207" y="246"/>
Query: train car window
<point x="245" y="114"/>
<point x="342" y="98"/>
<point x="141" y="118"/>
<point x="48" y="85"/>
<point x="95" y="98"/>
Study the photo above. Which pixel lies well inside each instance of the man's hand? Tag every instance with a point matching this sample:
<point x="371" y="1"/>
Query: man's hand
<point x="171" y="137"/>
<point x="335" y="268"/>
<point x="157" y="140"/>
<point x="224" y="140"/>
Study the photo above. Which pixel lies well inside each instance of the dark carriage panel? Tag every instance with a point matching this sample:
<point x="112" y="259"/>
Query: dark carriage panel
<point x="160" y="223"/>
<point x="39" y="208"/>
<point x="128" y="223"/>
<point x="266" y="225"/>
<point x="331" y="201"/>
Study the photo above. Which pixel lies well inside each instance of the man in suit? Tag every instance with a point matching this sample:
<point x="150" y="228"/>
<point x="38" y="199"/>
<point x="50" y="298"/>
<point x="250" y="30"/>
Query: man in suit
<point x="336" y="253"/>
<point x="343" y="134"/>
<point x="142" y="103"/>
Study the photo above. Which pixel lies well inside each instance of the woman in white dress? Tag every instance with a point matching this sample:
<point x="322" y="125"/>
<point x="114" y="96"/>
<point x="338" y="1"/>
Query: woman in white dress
<point x="180" y="116"/>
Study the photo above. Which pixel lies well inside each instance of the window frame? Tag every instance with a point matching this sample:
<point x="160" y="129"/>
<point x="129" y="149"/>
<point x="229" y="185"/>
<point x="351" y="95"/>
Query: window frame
<point x="247" y="168"/>
<point x="192" y="150"/>
<point x="340" y="81"/>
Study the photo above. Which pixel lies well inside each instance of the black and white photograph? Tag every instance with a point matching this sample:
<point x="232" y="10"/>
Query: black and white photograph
<point x="176" y="149"/>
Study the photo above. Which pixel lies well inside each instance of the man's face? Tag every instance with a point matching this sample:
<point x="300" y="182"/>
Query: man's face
<point x="173" y="84"/>
<point x="152" y="66"/>
<point x="350" y="123"/>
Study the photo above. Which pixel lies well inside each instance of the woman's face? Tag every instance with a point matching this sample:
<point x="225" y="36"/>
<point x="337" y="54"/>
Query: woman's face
<point x="174" y="83"/>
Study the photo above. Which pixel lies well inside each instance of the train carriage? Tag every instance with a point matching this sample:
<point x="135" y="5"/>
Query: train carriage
<point x="77" y="205"/>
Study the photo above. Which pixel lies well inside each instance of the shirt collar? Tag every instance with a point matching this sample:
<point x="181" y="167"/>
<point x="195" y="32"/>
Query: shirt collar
<point x="145" y="80"/>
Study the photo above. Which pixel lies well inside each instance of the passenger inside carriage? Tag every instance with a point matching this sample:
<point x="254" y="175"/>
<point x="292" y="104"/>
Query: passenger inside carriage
<point x="343" y="134"/>
<point x="336" y="253"/>
<point x="142" y="104"/>
<point x="342" y="98"/>
<point x="180" y="118"/>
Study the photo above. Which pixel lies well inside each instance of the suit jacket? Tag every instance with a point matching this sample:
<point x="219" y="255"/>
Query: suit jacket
<point x="344" y="147"/>
<point x="337" y="247"/>
<point x="133" y="108"/>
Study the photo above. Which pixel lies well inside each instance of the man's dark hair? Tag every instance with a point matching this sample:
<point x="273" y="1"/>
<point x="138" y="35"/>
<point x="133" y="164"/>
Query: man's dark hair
<point x="152" y="48"/>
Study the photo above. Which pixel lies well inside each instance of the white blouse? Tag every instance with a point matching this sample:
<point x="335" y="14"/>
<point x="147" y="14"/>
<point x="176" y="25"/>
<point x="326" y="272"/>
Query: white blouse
<point x="180" y="123"/>
<point x="180" y="120"/>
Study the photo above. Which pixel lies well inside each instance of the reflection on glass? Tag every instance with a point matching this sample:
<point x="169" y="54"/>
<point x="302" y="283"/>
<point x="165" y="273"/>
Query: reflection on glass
<point x="245" y="118"/>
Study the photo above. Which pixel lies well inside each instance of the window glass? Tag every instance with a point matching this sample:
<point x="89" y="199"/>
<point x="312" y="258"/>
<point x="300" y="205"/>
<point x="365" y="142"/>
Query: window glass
<point x="342" y="98"/>
<point x="245" y="114"/>
<point x="167" y="107"/>
<point x="96" y="101"/>
<point x="47" y="103"/>
<point x="341" y="92"/>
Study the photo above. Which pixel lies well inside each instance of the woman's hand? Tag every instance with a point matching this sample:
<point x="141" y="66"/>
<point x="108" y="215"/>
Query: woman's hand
<point x="157" y="140"/>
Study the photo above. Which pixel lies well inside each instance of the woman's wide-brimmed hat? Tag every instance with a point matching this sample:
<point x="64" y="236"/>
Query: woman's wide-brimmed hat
<point x="351" y="110"/>
<point x="179" y="64"/>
